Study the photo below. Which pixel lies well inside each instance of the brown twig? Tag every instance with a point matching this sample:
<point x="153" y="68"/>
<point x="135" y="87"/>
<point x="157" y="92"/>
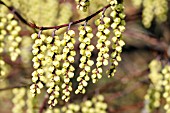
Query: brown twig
<point x="52" y="27"/>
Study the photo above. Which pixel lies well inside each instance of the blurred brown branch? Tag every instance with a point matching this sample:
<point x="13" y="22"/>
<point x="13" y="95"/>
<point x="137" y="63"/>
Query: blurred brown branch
<point x="44" y="103"/>
<point x="12" y="87"/>
<point x="149" y="40"/>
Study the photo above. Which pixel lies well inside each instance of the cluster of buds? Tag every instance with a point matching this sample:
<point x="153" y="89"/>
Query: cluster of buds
<point x="83" y="4"/>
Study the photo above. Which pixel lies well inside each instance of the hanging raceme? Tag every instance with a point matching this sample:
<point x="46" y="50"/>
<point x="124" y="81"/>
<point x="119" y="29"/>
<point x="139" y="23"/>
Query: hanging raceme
<point x="39" y="62"/>
<point x="103" y="46"/>
<point x="85" y="36"/>
<point x="52" y="68"/>
<point x="68" y="54"/>
<point x="153" y="96"/>
<point x="159" y="88"/>
<point x="118" y="27"/>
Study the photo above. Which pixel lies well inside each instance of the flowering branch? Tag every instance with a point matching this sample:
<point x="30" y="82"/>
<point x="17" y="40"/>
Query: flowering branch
<point x="32" y="25"/>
